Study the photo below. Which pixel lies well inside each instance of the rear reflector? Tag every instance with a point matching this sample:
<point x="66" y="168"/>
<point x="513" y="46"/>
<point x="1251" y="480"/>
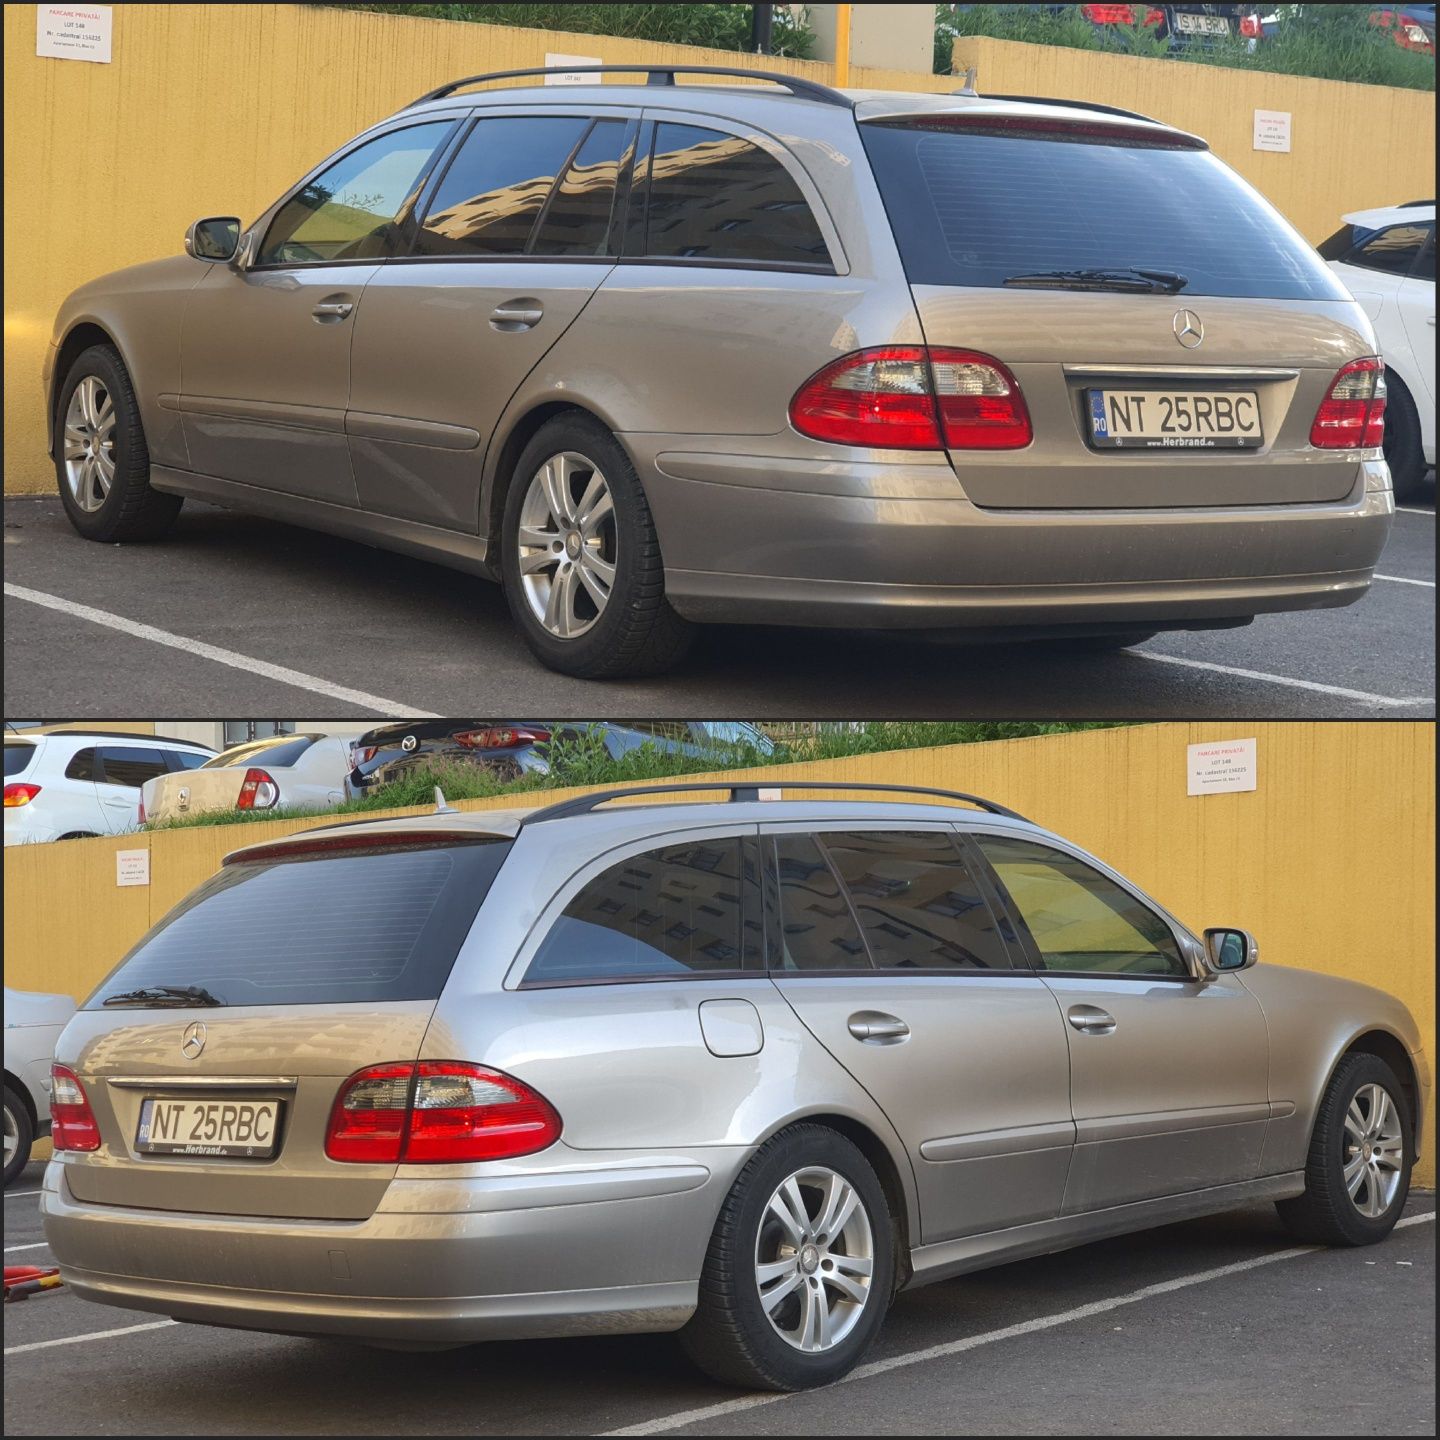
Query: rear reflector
<point x="72" y="1122"/>
<point x="258" y="791"/>
<point x="437" y="1112"/>
<point x="19" y="794"/>
<point x="1352" y="414"/>
<point x="912" y="397"/>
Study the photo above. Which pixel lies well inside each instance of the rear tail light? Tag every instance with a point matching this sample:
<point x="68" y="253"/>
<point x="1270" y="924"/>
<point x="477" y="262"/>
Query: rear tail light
<point x="500" y="737"/>
<point x="258" y="791"/>
<point x="19" y="794"/>
<point x="72" y="1122"/>
<point x="912" y="397"/>
<point x="1251" y="27"/>
<point x="1352" y="414"/>
<point x="437" y="1112"/>
<point x="362" y="756"/>
<point x="140" y="810"/>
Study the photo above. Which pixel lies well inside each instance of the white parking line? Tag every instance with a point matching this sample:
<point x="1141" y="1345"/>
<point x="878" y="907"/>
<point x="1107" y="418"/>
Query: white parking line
<point x="16" y="1194"/>
<point x="1414" y="510"/>
<point x="39" y="1245"/>
<point x="1365" y="696"/>
<point x="989" y="1337"/>
<point x="233" y="658"/>
<point x="89" y="1335"/>
<point x="1405" y="580"/>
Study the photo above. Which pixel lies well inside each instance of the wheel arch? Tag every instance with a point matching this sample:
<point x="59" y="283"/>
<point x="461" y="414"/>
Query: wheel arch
<point x="899" y="1195"/>
<point x="1387" y="1046"/>
<point x="15" y="1083"/>
<point x="79" y="338"/>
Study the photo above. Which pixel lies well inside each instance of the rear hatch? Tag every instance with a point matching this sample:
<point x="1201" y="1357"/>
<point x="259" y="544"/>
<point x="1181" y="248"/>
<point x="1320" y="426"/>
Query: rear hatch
<point x="325" y="955"/>
<point x="1121" y="271"/>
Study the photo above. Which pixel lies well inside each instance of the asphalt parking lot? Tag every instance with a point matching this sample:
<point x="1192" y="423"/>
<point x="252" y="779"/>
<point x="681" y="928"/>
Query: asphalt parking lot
<point x="1215" y="1326"/>
<point x="237" y="615"/>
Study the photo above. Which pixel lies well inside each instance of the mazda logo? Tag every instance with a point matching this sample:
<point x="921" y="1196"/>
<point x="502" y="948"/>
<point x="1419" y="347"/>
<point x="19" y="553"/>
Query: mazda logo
<point x="409" y="743"/>
<point x="192" y="1042"/>
<point x="1188" y="329"/>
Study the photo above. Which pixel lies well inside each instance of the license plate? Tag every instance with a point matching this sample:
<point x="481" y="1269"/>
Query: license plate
<point x="243" y="1128"/>
<point x="1201" y="24"/>
<point x="1174" y="419"/>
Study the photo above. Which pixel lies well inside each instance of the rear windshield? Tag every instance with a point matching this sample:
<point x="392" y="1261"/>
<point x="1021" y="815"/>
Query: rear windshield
<point x="375" y="925"/>
<point x="279" y="750"/>
<point x="17" y="757"/>
<point x="971" y="208"/>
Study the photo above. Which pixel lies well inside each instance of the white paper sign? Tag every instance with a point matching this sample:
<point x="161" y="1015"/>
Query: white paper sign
<point x="1272" y="130"/>
<point x="132" y="867"/>
<point x="73" y="32"/>
<point x="570" y="77"/>
<point x="1220" y="766"/>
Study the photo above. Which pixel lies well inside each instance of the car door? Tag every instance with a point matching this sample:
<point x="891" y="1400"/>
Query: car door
<point x="1417" y="310"/>
<point x="513" y="238"/>
<point x="891" y="953"/>
<point x="265" y="343"/>
<point x="1169" y="1073"/>
<point x="83" y="811"/>
<point x="121" y="771"/>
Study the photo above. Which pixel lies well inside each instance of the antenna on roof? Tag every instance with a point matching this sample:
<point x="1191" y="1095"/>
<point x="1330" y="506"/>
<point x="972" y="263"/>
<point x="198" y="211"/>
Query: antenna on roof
<point x="441" y="807"/>
<point x="967" y="85"/>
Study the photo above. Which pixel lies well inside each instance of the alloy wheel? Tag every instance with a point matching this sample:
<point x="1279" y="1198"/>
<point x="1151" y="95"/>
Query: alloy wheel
<point x="12" y="1136"/>
<point x="567" y="544"/>
<point x="89" y="443"/>
<point x="1374" y="1150"/>
<point x="814" y="1259"/>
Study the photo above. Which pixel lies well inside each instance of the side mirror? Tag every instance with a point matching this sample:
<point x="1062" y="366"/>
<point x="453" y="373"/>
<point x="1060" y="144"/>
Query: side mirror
<point x="214" y="239"/>
<point x="1227" y="950"/>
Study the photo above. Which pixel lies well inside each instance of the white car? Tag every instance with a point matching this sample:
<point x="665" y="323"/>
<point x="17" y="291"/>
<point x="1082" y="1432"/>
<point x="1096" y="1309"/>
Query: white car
<point x="278" y="771"/>
<point x="1386" y="258"/>
<point x="71" y="783"/>
<point x="32" y="1023"/>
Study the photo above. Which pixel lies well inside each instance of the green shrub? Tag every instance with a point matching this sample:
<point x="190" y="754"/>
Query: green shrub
<point x="721" y="27"/>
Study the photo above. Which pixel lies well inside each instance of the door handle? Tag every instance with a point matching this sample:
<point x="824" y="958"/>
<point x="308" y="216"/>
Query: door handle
<point x="517" y="315"/>
<point x="1091" y="1020"/>
<point x="332" y="309"/>
<point x="877" y="1028"/>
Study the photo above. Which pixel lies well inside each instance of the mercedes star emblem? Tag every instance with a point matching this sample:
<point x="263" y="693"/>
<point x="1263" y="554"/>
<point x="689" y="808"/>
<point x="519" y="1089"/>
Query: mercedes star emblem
<point x="1188" y="329"/>
<point x="193" y="1040"/>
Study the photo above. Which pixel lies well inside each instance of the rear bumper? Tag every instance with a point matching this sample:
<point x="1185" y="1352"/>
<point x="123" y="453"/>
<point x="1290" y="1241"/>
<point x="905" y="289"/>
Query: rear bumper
<point x="440" y="1262"/>
<point x="905" y="556"/>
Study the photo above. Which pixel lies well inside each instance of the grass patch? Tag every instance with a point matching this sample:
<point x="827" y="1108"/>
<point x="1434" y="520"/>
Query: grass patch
<point x="584" y="760"/>
<point x="1326" y="42"/>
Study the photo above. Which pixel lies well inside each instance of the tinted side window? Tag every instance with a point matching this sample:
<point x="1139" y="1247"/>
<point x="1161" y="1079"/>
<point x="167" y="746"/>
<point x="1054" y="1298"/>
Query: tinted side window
<point x="577" y="219"/>
<point x="382" y="925"/>
<point x="81" y="766"/>
<point x="1342" y="242"/>
<point x="1425" y="265"/>
<point x="187" y="759"/>
<point x="132" y="767"/>
<point x="818" y="930"/>
<point x="670" y="912"/>
<point x="496" y="186"/>
<point x="348" y="211"/>
<point x="717" y="197"/>
<point x="1078" y="918"/>
<point x="918" y="903"/>
<point x="1392" y="250"/>
<point x="18" y="758"/>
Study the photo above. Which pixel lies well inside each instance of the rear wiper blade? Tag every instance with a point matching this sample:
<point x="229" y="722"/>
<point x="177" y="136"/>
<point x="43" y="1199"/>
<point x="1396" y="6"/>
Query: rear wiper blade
<point x="164" y="995"/>
<point x="1121" y="277"/>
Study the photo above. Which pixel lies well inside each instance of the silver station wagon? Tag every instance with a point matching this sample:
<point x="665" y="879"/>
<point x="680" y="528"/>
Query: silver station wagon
<point x="742" y="1068"/>
<point x="653" y="355"/>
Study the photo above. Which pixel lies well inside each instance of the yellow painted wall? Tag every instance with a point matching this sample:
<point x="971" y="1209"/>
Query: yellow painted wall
<point x="216" y="109"/>
<point x="1331" y="862"/>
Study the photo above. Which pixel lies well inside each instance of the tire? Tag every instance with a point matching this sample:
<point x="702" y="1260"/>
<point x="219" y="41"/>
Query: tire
<point x="635" y="632"/>
<point x="1326" y="1214"/>
<point x="19" y="1132"/>
<point x="1402" y="440"/>
<point x="731" y="1336"/>
<point x="130" y="509"/>
<point x="79" y="835"/>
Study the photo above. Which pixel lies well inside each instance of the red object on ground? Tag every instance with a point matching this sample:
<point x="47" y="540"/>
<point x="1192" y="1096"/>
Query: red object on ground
<point x="22" y="1281"/>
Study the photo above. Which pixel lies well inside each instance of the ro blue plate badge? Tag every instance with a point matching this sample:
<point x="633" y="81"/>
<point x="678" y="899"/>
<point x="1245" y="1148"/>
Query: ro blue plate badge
<point x="1097" y="415"/>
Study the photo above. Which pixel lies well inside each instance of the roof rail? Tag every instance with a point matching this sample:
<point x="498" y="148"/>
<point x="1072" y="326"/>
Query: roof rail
<point x="1073" y="104"/>
<point x="99" y="732"/>
<point x="1413" y="204"/>
<point x="749" y="790"/>
<point x="655" y="75"/>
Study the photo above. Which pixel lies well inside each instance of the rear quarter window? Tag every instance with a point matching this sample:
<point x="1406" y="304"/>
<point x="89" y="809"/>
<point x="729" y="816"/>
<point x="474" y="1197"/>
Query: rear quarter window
<point x="17" y="759"/>
<point x="374" y="925"/>
<point x="971" y="207"/>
